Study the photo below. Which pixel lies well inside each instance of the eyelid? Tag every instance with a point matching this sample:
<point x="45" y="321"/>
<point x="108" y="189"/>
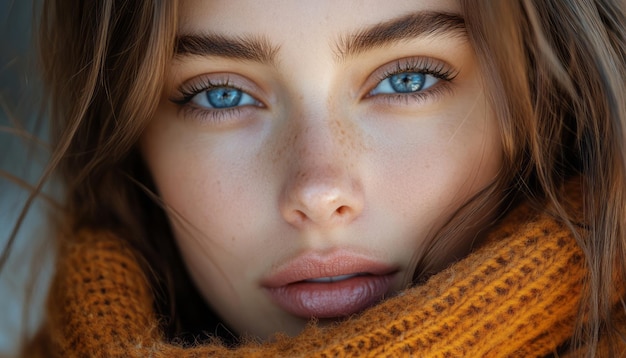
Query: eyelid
<point x="428" y="65"/>
<point x="188" y="90"/>
<point x="206" y="81"/>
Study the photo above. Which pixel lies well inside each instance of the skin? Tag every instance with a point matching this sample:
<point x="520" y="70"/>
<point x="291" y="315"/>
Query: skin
<point x="315" y="163"/>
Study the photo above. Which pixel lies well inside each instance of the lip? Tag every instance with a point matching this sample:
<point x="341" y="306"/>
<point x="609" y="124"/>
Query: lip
<point x="366" y="283"/>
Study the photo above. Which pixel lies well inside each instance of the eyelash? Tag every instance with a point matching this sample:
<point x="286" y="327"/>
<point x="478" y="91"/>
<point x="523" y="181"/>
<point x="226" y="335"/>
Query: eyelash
<point x="422" y="65"/>
<point x="189" y="91"/>
<point x="427" y="66"/>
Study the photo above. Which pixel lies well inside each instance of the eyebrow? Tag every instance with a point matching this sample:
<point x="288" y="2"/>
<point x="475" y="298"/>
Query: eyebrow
<point x="260" y="49"/>
<point x="251" y="48"/>
<point x="407" y="27"/>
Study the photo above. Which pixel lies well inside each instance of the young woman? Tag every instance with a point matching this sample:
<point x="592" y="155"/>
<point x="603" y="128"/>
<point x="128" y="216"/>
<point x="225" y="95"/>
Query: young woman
<point x="428" y="178"/>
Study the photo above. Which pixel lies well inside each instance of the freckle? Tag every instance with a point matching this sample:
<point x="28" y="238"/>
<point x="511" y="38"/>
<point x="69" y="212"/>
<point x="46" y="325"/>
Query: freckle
<point x="232" y="238"/>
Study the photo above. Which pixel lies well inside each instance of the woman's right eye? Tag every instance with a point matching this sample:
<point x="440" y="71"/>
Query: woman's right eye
<point x="219" y="101"/>
<point x="222" y="98"/>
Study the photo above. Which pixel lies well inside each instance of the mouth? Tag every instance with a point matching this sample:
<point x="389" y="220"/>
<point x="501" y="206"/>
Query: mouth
<point x="329" y="287"/>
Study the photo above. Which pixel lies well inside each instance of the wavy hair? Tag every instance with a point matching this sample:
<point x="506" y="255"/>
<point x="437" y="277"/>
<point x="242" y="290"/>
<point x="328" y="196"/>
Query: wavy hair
<point x="557" y="74"/>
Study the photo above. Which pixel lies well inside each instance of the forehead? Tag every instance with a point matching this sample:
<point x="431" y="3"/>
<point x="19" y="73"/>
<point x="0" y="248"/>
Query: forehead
<point x="285" y="18"/>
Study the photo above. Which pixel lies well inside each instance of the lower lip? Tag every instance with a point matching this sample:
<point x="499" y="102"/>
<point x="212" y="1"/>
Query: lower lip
<point x="330" y="300"/>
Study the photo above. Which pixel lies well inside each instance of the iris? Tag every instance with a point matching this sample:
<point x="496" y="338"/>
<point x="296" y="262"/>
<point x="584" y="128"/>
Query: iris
<point x="223" y="97"/>
<point x="407" y="82"/>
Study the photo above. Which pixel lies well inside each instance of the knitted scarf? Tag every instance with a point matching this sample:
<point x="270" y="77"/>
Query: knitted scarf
<point x="518" y="295"/>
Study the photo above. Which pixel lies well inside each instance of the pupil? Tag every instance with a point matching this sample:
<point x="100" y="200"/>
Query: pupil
<point x="407" y="82"/>
<point x="224" y="97"/>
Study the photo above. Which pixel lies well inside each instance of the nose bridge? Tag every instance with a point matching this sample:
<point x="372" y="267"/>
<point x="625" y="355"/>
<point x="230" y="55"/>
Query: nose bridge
<point x="319" y="145"/>
<point x="322" y="187"/>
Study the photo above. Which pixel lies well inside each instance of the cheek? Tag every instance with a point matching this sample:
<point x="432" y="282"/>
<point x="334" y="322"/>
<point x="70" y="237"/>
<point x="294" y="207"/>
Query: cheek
<point x="193" y="176"/>
<point x="208" y="205"/>
<point x="217" y="192"/>
<point x="201" y="188"/>
<point x="432" y="166"/>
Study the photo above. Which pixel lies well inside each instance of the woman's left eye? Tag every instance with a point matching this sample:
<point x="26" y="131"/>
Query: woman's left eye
<point x="222" y="98"/>
<point x="405" y="82"/>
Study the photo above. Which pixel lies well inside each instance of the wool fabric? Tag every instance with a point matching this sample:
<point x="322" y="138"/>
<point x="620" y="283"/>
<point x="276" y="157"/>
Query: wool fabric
<point x="516" y="296"/>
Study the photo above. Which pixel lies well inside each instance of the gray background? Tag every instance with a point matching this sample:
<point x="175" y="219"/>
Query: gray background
<point x="24" y="279"/>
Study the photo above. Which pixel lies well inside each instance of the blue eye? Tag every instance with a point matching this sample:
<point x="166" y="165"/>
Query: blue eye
<point x="222" y="98"/>
<point x="404" y="82"/>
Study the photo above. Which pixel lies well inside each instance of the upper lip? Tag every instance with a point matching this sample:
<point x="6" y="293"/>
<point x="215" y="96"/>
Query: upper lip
<point x="316" y="265"/>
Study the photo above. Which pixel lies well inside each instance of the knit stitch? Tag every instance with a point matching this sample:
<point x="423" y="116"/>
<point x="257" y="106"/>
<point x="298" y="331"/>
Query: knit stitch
<point x="517" y="296"/>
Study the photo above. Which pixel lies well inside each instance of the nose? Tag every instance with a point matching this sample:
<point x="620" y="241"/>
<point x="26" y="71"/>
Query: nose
<point x="323" y="197"/>
<point x="323" y="188"/>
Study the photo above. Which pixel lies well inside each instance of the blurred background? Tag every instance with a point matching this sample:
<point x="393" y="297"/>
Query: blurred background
<point x="24" y="150"/>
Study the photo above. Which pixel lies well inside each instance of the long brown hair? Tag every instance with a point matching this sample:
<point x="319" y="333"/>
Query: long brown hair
<point x="556" y="72"/>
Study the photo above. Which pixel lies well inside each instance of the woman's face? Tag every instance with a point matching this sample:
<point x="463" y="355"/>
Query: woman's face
<point x="309" y="150"/>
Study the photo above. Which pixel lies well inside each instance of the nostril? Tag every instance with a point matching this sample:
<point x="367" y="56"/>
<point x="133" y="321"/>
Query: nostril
<point x="342" y="210"/>
<point x="300" y="216"/>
